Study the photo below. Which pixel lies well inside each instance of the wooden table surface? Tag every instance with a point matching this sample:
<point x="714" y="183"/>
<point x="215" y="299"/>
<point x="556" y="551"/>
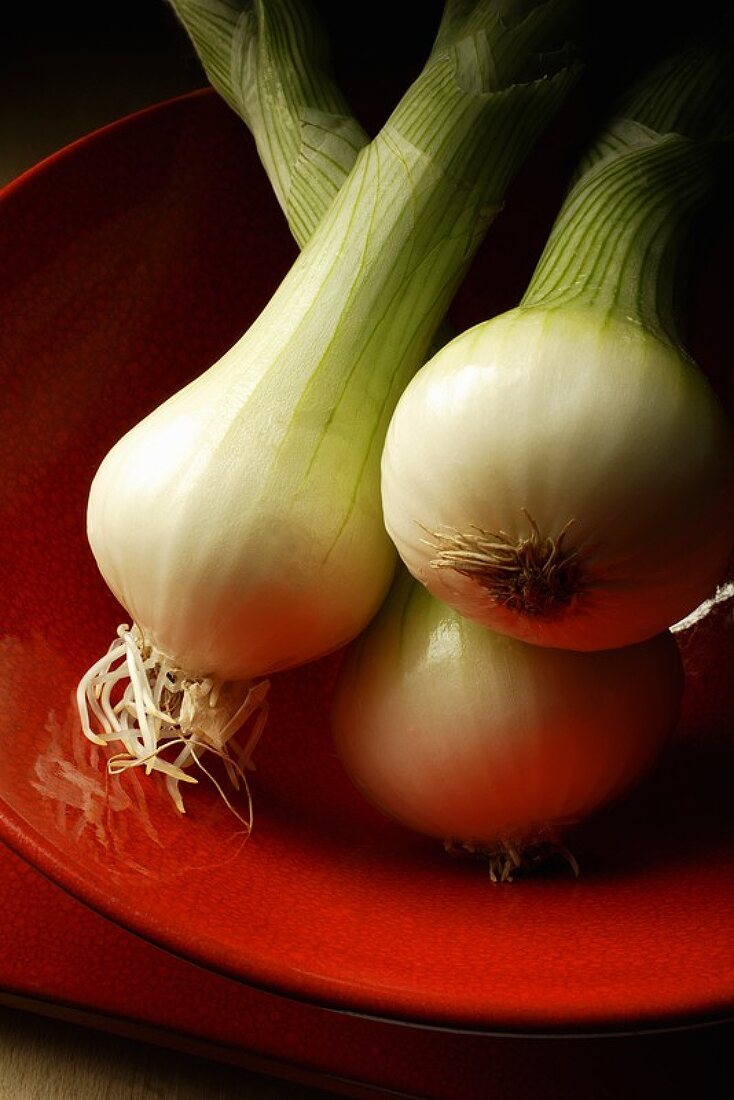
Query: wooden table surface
<point x="45" y="1059"/>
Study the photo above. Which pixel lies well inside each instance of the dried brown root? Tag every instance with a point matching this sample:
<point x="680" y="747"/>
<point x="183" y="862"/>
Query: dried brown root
<point x="506" y="857"/>
<point x="532" y="574"/>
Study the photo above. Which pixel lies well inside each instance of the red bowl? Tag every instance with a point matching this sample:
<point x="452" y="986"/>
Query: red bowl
<point x="130" y="262"/>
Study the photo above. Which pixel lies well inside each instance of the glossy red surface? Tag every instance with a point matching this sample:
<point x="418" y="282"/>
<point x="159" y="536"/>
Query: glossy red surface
<point x="129" y="263"/>
<point x="68" y="962"/>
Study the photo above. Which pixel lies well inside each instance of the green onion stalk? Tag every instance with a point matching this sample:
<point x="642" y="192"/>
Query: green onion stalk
<point x="563" y="473"/>
<point x="240" y="524"/>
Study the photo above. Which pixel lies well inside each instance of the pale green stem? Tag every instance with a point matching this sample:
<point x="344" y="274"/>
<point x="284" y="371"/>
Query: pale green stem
<point x="269" y="60"/>
<point x="355" y="315"/>
<point x="617" y="245"/>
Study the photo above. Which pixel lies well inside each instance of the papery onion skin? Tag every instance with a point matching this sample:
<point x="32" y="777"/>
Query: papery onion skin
<point x="471" y="736"/>
<point x="551" y="417"/>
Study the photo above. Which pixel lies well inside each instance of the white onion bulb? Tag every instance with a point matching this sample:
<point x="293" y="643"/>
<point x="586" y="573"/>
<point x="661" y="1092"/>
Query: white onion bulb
<point x="563" y="478"/>
<point x="490" y="743"/>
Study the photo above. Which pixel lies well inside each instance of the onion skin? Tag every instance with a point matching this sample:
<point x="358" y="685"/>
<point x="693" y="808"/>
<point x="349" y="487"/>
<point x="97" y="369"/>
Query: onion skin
<point x="574" y="421"/>
<point x="471" y="736"/>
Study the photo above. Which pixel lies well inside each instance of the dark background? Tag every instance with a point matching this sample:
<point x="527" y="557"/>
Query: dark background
<point x="67" y="68"/>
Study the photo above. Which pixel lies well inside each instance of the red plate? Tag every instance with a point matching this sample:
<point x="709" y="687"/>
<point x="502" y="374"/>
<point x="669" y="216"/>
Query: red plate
<point x="65" y="961"/>
<point x="130" y="261"/>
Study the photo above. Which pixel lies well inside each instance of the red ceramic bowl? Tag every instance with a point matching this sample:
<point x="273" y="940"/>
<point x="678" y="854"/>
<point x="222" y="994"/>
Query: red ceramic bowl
<point x="130" y="262"/>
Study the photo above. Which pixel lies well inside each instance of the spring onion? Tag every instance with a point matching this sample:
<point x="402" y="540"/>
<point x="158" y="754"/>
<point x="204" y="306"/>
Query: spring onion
<point x="563" y="472"/>
<point x="488" y="743"/>
<point x="240" y="523"/>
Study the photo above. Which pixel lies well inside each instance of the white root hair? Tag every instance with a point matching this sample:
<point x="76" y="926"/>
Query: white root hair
<point x="137" y="698"/>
